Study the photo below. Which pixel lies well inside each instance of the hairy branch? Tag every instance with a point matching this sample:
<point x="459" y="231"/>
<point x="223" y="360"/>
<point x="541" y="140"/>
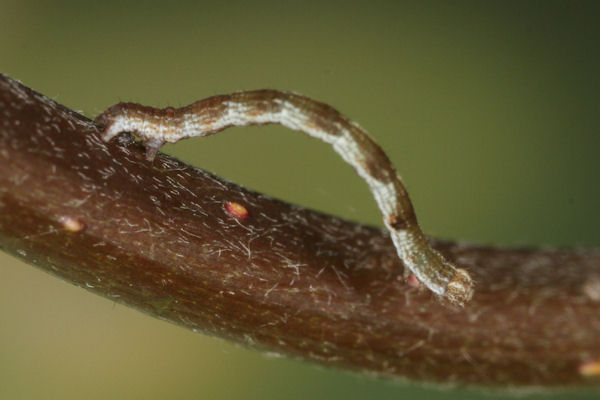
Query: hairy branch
<point x="159" y="237"/>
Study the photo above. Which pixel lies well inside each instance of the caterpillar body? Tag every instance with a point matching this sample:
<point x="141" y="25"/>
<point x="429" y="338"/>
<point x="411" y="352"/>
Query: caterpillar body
<point x="205" y="117"/>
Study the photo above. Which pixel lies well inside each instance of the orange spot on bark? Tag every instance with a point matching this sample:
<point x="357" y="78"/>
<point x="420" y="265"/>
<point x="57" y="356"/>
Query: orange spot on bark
<point x="236" y="210"/>
<point x="590" y="368"/>
<point x="71" y="224"/>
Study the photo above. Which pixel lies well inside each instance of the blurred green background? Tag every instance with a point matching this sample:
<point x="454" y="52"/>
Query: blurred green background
<point x="489" y="110"/>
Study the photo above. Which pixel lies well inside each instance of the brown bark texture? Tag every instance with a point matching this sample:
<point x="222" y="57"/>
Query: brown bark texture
<point x="159" y="237"/>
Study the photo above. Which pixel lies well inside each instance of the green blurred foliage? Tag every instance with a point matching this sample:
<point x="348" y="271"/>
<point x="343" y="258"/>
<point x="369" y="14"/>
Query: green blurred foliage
<point x="489" y="110"/>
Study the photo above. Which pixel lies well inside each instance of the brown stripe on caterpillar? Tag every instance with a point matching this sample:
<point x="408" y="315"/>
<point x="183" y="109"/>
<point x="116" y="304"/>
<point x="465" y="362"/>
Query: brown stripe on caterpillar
<point x="319" y="120"/>
<point x="375" y="161"/>
<point x="211" y="109"/>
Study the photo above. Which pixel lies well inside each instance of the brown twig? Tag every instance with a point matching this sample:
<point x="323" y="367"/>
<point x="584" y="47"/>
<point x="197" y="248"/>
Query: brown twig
<point x="159" y="237"/>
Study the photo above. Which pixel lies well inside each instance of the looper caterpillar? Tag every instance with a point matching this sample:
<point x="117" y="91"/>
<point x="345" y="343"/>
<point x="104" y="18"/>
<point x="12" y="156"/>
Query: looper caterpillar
<point x="214" y="114"/>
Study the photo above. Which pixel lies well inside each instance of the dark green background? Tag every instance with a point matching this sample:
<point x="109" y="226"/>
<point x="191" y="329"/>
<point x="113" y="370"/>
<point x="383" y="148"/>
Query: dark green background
<point x="489" y="110"/>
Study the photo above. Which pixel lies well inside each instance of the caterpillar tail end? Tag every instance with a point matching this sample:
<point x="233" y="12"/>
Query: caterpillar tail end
<point x="106" y="129"/>
<point x="460" y="288"/>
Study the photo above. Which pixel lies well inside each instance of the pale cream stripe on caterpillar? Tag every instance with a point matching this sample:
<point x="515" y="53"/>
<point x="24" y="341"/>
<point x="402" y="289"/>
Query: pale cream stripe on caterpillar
<point x="205" y="117"/>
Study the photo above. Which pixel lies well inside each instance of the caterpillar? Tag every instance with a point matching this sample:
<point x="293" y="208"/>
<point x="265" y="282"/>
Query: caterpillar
<point x="258" y="107"/>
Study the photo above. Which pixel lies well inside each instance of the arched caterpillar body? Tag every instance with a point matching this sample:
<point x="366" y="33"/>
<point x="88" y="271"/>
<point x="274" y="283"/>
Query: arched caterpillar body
<point x="205" y="117"/>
